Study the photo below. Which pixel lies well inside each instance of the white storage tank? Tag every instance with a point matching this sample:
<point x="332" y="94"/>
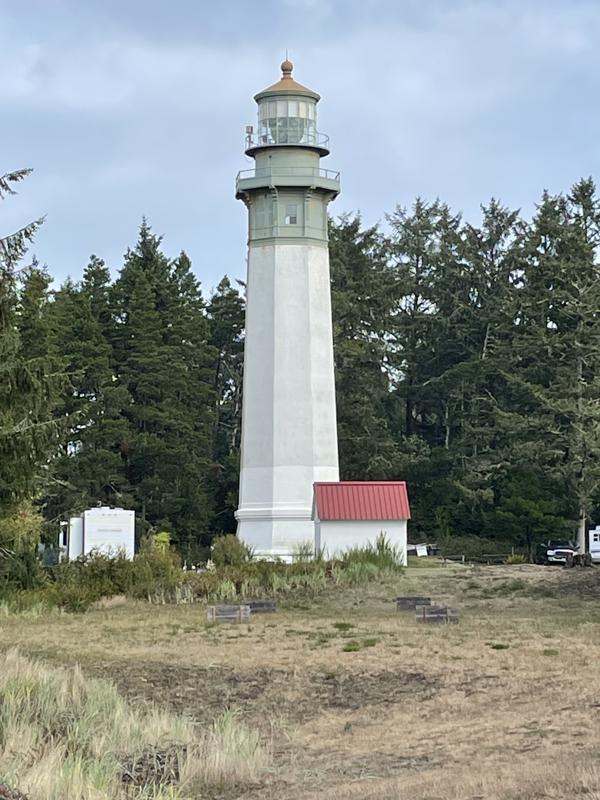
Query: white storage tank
<point x="104" y="530"/>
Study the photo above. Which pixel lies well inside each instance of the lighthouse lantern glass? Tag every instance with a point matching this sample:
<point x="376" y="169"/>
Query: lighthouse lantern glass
<point x="287" y="121"/>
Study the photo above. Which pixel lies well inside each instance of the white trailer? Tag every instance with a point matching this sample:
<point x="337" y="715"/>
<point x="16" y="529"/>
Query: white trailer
<point x="104" y="530"/>
<point x="594" y="544"/>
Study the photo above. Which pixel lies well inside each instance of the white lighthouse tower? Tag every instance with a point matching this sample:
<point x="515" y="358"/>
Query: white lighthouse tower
<point x="289" y="438"/>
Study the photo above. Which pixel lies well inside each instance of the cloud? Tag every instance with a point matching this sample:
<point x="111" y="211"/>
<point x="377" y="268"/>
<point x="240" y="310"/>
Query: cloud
<point x="139" y="107"/>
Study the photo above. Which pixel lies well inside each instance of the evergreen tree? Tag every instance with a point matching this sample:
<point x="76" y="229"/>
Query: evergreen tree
<point x="426" y="336"/>
<point x="89" y="469"/>
<point x="96" y="286"/>
<point x="226" y="317"/>
<point x="165" y="362"/>
<point x="28" y="385"/>
<point x="33" y="320"/>
<point x="492" y="259"/>
<point x="362" y="294"/>
<point x="557" y="343"/>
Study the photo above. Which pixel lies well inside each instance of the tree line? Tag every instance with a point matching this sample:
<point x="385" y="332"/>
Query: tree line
<point x="467" y="363"/>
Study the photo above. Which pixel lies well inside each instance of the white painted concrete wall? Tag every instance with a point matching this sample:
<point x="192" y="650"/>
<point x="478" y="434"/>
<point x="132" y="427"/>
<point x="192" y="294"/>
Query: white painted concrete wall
<point x="336" y="536"/>
<point x="289" y="436"/>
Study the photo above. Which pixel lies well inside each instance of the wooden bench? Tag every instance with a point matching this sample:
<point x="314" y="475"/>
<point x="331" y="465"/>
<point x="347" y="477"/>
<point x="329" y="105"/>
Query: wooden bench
<point x="436" y="615"/>
<point x="411" y="602"/>
<point x="228" y="613"/>
<point x="262" y="606"/>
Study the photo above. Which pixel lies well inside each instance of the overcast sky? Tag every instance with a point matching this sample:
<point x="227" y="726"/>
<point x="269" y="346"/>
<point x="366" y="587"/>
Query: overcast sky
<point x="127" y="108"/>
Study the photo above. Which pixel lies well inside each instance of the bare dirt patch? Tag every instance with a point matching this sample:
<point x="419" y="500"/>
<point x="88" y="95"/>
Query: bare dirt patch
<point x="262" y="694"/>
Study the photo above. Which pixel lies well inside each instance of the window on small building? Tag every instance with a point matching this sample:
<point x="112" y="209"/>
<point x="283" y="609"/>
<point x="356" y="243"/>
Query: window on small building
<point x="291" y="214"/>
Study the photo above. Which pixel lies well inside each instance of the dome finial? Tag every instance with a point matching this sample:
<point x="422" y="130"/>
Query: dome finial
<point x="287" y="67"/>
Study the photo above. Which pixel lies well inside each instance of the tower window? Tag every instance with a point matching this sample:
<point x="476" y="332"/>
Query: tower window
<point x="291" y="214"/>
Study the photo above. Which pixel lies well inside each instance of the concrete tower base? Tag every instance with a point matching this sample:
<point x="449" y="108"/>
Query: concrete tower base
<point x="289" y="437"/>
<point x="279" y="537"/>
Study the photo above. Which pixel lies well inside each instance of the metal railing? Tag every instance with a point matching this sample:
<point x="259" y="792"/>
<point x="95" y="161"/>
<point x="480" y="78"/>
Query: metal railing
<point x="308" y="138"/>
<point x="288" y="172"/>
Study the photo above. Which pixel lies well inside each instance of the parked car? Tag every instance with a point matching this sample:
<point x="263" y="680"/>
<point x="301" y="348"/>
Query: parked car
<point x="555" y="551"/>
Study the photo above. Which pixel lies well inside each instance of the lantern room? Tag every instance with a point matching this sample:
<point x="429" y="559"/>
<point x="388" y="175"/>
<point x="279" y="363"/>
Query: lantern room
<point x="287" y="115"/>
<point x="287" y="121"/>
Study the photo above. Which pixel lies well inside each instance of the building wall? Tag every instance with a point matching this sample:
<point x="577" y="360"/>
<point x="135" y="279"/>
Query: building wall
<point x="268" y="214"/>
<point x="336" y="536"/>
<point x="109" y="530"/>
<point x="75" y="540"/>
<point x="289" y="435"/>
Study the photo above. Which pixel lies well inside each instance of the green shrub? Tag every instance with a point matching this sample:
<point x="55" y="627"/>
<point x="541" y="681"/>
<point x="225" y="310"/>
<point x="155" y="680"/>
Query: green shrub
<point x="203" y="584"/>
<point x="162" y="539"/>
<point x="343" y="626"/>
<point x="20" y="568"/>
<point x="473" y="547"/>
<point x="303" y="551"/>
<point x="20" y="532"/>
<point x="73" y="597"/>
<point x="26" y="603"/>
<point x="225" y="590"/>
<point x="357" y="572"/>
<point x="279" y="582"/>
<point x="155" y="575"/>
<point x="155" y="570"/>
<point x="21" y="528"/>
<point x="382" y="554"/>
<point x="229" y="551"/>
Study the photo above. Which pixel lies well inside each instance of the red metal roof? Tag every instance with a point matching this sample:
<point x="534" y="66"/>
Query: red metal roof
<point x="361" y="500"/>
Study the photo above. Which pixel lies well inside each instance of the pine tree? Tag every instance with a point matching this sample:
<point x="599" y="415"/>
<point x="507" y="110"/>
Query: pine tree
<point x="426" y="329"/>
<point x="89" y="469"/>
<point x="33" y="320"/>
<point x="28" y="385"/>
<point x="425" y="339"/>
<point x="362" y="299"/>
<point x="226" y="318"/>
<point x="188" y="336"/>
<point x="163" y="359"/>
<point x="96" y="286"/>
<point x="557" y="375"/>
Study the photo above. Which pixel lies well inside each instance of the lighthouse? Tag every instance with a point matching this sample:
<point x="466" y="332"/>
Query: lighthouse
<point x="289" y="438"/>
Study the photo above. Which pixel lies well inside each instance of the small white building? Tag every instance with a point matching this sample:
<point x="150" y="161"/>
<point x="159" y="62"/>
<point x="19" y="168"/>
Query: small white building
<point x="105" y="530"/>
<point x="354" y="513"/>
<point x="594" y="544"/>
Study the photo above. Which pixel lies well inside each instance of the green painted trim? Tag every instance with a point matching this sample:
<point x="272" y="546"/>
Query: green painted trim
<point x="289" y="240"/>
<point x="308" y="182"/>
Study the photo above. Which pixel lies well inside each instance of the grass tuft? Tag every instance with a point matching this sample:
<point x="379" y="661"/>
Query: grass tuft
<point x="64" y="736"/>
<point x="343" y="626"/>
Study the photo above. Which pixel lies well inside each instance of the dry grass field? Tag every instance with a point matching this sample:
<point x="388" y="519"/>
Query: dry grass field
<point x="354" y="700"/>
